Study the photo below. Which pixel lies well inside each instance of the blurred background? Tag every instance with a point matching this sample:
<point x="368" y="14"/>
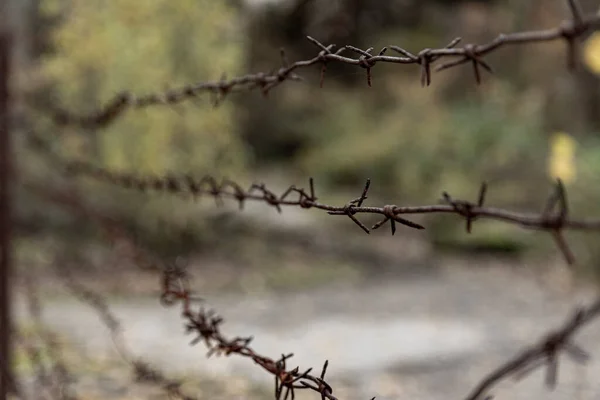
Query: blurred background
<point x="395" y="315"/>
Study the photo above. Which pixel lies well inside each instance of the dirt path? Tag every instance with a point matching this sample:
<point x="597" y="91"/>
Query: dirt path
<point x="432" y="337"/>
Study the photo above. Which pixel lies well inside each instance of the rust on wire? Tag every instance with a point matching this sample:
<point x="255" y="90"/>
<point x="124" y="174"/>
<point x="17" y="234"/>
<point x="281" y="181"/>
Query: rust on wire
<point x="570" y="31"/>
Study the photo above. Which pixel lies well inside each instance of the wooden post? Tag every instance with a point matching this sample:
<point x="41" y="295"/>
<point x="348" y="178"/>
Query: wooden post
<point x="6" y="378"/>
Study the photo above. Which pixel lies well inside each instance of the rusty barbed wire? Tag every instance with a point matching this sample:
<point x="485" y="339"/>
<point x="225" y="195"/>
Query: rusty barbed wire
<point x="570" y="31"/>
<point x="206" y="325"/>
<point x="553" y="219"/>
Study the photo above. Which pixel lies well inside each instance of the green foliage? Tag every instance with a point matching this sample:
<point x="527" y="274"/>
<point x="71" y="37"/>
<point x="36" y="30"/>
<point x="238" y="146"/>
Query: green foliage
<point x="583" y="195"/>
<point x="490" y="237"/>
<point x="103" y="48"/>
<point x="416" y="146"/>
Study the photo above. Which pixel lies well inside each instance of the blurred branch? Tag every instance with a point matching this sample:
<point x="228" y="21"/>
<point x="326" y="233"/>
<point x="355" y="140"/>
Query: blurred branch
<point x="569" y="31"/>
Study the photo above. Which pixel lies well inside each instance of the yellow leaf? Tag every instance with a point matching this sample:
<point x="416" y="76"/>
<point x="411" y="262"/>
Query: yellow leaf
<point x="562" y="157"/>
<point x="591" y="53"/>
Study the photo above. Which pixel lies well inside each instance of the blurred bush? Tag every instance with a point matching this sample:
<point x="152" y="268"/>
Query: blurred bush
<point x="415" y="146"/>
<point x="96" y="50"/>
<point x="101" y="49"/>
<point x="413" y="142"/>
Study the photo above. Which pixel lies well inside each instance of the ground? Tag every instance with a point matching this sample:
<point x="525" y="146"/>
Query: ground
<point x="432" y="336"/>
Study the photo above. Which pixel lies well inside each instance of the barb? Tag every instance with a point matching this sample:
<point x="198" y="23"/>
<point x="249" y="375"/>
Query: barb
<point x="206" y="325"/>
<point x="465" y="208"/>
<point x="188" y="186"/>
<point x="570" y="31"/>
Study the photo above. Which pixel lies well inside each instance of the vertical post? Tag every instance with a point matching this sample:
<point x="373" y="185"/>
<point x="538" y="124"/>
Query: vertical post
<point x="6" y="378"/>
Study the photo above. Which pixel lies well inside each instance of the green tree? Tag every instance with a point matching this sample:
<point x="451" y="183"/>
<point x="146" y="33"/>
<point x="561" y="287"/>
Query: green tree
<point x="102" y="48"/>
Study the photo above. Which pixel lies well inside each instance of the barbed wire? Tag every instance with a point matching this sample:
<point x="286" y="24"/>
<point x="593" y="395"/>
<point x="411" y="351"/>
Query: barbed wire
<point x="553" y="219"/>
<point x="143" y="371"/>
<point x="206" y="325"/>
<point x="546" y="352"/>
<point x="570" y="31"/>
<point x="94" y="301"/>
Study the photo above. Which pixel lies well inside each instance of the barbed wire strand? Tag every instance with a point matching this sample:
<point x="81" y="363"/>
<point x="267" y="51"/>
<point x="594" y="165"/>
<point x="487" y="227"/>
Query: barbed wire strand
<point x="553" y="219"/>
<point x="143" y="371"/>
<point x="94" y="301"/>
<point x="206" y="325"/>
<point x="570" y="31"/>
<point x="545" y="352"/>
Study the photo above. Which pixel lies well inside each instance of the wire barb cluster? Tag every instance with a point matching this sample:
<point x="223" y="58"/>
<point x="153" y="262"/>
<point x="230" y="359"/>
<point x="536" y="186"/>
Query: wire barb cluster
<point x="553" y="219"/>
<point x="571" y="31"/>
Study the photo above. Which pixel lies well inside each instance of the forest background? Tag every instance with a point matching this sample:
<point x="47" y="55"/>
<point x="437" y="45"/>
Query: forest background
<point x="534" y="120"/>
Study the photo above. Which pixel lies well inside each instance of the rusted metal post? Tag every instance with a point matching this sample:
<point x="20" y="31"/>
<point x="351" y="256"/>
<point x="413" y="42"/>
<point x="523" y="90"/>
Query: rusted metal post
<point x="6" y="378"/>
